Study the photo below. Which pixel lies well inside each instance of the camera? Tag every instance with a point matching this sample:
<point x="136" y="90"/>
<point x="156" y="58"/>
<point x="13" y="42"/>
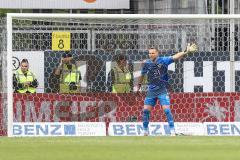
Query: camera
<point x="72" y="86"/>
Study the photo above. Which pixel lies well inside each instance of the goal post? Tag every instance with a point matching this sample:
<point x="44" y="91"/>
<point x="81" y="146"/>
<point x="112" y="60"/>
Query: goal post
<point x="9" y="77"/>
<point x="199" y="83"/>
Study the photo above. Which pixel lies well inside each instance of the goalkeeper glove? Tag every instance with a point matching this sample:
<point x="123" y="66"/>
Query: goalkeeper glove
<point x="191" y="48"/>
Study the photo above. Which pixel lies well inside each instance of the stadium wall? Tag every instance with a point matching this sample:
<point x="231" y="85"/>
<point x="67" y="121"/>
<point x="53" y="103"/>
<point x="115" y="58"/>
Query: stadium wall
<point x="202" y="72"/>
<point x="107" y="107"/>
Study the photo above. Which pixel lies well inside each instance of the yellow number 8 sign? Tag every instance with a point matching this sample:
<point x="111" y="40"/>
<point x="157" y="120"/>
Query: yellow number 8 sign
<point x="61" y="41"/>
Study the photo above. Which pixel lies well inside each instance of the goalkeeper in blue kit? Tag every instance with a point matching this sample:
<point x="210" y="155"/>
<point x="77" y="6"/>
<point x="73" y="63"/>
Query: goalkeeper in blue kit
<point x="156" y="68"/>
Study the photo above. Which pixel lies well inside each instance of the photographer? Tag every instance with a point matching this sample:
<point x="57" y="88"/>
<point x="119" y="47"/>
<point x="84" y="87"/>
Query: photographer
<point x="69" y="73"/>
<point x="120" y="78"/>
<point x="24" y="81"/>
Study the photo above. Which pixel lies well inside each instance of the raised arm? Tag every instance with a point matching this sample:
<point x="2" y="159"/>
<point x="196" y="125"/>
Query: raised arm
<point x="58" y="69"/>
<point x="191" y="48"/>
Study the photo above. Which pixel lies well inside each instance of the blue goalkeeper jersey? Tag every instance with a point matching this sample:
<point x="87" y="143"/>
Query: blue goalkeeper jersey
<point x="157" y="75"/>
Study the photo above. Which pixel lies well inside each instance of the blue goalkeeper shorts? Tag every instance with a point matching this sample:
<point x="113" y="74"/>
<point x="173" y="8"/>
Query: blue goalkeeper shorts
<point x="163" y="98"/>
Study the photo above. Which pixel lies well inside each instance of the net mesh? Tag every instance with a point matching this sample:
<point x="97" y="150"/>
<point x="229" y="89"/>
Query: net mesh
<point x="200" y="84"/>
<point x="3" y="75"/>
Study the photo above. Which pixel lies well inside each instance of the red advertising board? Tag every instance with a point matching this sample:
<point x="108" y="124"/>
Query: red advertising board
<point x="106" y="107"/>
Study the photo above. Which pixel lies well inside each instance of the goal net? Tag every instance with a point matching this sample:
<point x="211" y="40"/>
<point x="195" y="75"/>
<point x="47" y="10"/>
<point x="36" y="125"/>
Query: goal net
<point x="204" y="86"/>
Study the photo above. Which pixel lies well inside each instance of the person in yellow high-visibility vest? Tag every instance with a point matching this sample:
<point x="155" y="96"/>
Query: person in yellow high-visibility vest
<point x="24" y="81"/>
<point x="69" y="73"/>
<point x="120" y="77"/>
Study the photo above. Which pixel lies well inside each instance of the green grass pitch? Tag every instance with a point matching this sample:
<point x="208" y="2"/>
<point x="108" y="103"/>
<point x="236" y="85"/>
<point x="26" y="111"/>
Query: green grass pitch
<point x="120" y="148"/>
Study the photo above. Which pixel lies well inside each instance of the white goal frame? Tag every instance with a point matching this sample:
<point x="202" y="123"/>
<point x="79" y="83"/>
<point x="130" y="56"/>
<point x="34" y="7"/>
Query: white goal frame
<point x="10" y="17"/>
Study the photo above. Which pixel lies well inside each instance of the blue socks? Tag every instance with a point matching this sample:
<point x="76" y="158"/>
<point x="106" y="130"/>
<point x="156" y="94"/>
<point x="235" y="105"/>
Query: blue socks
<point x="169" y="116"/>
<point x="146" y="117"/>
